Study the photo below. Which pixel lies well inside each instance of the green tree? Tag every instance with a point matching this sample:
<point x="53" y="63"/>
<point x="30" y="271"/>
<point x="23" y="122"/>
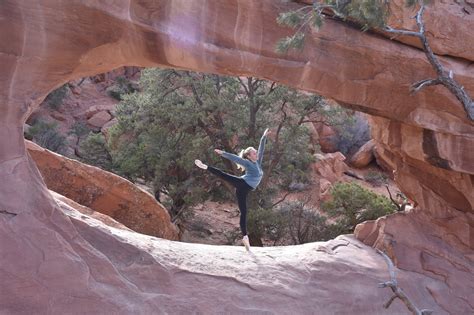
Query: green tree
<point x="55" y="98"/>
<point x="352" y="204"/>
<point x="367" y="13"/>
<point x="179" y="116"/>
<point x="46" y="134"/>
<point x="305" y="224"/>
<point x="94" y="151"/>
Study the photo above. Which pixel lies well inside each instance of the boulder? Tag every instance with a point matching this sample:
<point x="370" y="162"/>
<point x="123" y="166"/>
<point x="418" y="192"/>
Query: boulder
<point x="330" y="166"/>
<point x="364" y="155"/>
<point x="103" y="192"/>
<point x="100" y="119"/>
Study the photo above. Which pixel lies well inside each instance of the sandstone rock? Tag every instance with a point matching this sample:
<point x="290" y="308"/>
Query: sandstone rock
<point x="324" y="189"/>
<point x="70" y="207"/>
<point x="105" y="128"/>
<point x="58" y="116"/>
<point x="416" y="248"/>
<point x="330" y="166"/>
<point x="364" y="155"/>
<point x="99" y="119"/>
<point x="382" y="160"/>
<point x="104" y="192"/>
<point x="93" y="110"/>
<point x="327" y="138"/>
<point x="76" y="90"/>
<point x="97" y="268"/>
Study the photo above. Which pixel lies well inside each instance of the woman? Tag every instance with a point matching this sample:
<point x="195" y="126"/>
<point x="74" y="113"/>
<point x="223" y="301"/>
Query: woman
<point x="251" y="161"/>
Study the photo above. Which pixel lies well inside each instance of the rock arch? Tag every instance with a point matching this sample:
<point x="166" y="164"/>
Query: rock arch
<point x="426" y="137"/>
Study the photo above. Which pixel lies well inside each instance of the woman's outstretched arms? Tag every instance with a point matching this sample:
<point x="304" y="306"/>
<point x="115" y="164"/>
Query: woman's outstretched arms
<point x="261" y="146"/>
<point x="232" y="157"/>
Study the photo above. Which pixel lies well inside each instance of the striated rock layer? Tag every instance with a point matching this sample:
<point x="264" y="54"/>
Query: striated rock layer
<point x="104" y="192"/>
<point x="426" y="137"/>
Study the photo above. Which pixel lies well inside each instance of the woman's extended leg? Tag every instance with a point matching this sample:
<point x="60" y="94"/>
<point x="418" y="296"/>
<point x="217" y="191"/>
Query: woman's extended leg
<point x="231" y="179"/>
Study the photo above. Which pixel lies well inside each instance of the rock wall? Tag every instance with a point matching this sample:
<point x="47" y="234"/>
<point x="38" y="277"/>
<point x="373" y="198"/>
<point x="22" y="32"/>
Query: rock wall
<point x="104" y="192"/>
<point x="47" y="43"/>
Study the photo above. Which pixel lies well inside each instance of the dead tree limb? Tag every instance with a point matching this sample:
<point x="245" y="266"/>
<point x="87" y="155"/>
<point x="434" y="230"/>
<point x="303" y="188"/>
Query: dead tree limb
<point x="444" y="78"/>
<point x="401" y="206"/>
<point x="397" y="291"/>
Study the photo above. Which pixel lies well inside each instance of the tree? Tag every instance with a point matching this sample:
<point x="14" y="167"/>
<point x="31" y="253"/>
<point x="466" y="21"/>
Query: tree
<point x="371" y="14"/>
<point x="305" y="224"/>
<point x="46" y="134"/>
<point x="93" y="151"/>
<point x="179" y="116"/>
<point x="352" y="204"/>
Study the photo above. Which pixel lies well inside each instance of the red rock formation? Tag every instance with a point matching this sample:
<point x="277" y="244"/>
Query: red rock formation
<point x="104" y="192"/>
<point x="364" y="155"/>
<point x="86" y="266"/>
<point x="330" y="166"/>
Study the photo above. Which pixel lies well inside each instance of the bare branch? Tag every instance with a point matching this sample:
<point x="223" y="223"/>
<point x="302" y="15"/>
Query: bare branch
<point x="387" y="304"/>
<point x="399" y="208"/>
<point x="388" y="29"/>
<point x="281" y="200"/>
<point x="444" y="78"/>
<point x="397" y="291"/>
<point x="417" y="86"/>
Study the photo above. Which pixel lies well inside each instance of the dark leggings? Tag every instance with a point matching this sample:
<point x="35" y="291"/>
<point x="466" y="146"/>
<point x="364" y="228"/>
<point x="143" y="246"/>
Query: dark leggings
<point x="241" y="190"/>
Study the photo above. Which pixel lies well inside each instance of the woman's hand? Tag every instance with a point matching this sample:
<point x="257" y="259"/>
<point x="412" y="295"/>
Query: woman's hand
<point x="218" y="151"/>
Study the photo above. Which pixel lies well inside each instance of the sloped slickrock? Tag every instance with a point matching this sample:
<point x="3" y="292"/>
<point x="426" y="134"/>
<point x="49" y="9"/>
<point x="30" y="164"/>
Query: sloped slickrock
<point x="139" y="274"/>
<point x="104" y="192"/>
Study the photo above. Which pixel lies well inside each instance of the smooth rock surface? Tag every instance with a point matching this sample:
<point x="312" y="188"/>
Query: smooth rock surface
<point x="122" y="272"/>
<point x="364" y="155"/>
<point x="104" y="192"/>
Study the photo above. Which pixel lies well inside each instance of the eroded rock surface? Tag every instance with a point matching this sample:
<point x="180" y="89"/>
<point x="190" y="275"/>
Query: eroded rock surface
<point x="364" y="155"/>
<point x="104" y="192"/>
<point x="427" y="137"/>
<point x="136" y="273"/>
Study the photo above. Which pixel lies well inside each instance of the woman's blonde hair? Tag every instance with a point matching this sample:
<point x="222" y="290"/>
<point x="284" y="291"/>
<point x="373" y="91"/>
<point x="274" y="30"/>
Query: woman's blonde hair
<point x="244" y="154"/>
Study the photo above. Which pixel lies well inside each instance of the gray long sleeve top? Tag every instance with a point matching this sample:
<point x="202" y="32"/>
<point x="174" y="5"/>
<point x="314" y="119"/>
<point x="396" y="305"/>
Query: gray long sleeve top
<point x="253" y="170"/>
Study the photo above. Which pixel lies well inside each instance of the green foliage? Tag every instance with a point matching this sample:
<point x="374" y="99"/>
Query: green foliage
<point x="306" y="225"/>
<point x="413" y="3"/>
<point x="367" y="13"/>
<point x="376" y="178"/>
<point x="94" y="151"/>
<point x="121" y="87"/>
<point x="296" y="41"/>
<point x="353" y="132"/>
<point x="266" y="222"/>
<point x="56" y="98"/>
<point x="352" y="204"/>
<point x="79" y="129"/>
<point x="47" y="135"/>
<point x="179" y="116"/>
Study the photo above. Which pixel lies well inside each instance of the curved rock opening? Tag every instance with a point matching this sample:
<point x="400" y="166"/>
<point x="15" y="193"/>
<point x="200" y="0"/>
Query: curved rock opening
<point x="96" y="120"/>
<point x="425" y="137"/>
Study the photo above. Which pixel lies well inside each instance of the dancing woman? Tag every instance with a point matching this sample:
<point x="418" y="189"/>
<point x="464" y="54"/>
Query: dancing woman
<point x="249" y="160"/>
